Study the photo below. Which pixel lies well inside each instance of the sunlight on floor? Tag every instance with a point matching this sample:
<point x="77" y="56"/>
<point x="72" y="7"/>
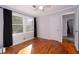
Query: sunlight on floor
<point x="26" y="50"/>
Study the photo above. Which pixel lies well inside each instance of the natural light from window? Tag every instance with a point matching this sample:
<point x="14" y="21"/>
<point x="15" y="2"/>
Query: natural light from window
<point x="26" y="50"/>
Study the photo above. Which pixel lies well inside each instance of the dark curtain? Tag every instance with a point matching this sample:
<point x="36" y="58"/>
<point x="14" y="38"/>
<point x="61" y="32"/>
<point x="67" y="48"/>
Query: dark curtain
<point x="35" y="27"/>
<point x="7" y="35"/>
<point x="68" y="30"/>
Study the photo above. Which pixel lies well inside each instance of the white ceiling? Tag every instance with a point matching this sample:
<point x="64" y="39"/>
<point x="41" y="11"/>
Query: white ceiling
<point x="28" y="9"/>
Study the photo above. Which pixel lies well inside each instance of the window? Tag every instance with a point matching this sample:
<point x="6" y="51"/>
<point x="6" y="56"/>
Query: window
<point x="21" y="23"/>
<point x="29" y="25"/>
<point x="17" y="23"/>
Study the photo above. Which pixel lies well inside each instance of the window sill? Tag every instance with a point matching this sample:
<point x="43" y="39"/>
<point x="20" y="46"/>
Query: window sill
<point x="22" y="33"/>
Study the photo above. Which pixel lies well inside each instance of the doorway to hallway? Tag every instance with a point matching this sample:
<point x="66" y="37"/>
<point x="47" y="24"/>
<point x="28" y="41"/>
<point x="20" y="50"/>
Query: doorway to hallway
<point x="68" y="27"/>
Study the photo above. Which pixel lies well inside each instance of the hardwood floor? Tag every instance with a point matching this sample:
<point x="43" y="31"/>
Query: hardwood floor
<point x="69" y="46"/>
<point x="15" y="49"/>
<point x="41" y="46"/>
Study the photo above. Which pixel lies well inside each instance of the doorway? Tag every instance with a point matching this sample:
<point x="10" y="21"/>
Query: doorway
<point x="68" y="27"/>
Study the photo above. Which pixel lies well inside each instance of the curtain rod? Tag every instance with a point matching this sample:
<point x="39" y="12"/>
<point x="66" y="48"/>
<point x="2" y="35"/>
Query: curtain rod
<point x="16" y="12"/>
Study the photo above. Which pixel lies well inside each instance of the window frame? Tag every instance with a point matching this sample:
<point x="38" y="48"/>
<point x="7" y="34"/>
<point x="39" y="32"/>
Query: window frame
<point x="27" y="17"/>
<point x="23" y="23"/>
<point x="16" y="14"/>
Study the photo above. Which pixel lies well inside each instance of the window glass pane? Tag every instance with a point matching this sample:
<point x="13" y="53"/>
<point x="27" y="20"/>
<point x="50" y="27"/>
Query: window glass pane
<point x="22" y="23"/>
<point x="17" y="28"/>
<point x="29" y="26"/>
<point x="16" y="20"/>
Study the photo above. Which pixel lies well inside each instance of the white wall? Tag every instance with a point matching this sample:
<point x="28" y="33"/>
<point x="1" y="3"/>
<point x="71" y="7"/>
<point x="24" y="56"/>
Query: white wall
<point x="51" y="26"/>
<point x="21" y="37"/>
<point x="42" y="28"/>
<point x="1" y="29"/>
<point x="77" y="29"/>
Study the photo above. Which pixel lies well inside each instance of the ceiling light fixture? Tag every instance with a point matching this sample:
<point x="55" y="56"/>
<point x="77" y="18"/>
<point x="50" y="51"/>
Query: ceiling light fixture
<point x="40" y="7"/>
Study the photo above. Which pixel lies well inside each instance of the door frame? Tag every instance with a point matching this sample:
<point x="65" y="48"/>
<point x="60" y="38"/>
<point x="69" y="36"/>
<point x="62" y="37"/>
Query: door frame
<point x="76" y="12"/>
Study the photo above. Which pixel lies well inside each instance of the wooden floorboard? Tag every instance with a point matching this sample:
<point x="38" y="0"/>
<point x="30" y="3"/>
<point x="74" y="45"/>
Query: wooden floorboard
<point x="69" y="46"/>
<point x="15" y="49"/>
<point x="42" y="46"/>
